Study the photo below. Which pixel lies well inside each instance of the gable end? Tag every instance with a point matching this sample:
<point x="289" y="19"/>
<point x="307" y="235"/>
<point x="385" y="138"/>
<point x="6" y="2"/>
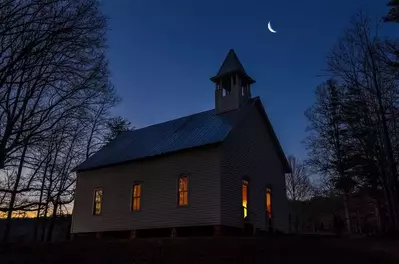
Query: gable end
<point x="259" y="106"/>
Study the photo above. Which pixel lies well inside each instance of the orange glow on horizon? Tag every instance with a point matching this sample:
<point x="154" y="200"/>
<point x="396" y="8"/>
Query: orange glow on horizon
<point x="20" y="214"/>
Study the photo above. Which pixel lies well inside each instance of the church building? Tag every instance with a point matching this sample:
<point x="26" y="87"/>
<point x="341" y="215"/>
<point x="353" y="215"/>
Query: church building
<point x="216" y="172"/>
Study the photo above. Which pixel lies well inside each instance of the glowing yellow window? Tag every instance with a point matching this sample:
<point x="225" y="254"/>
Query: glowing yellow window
<point x="183" y="191"/>
<point x="245" y="197"/>
<point x="269" y="202"/>
<point x="136" y="197"/>
<point x="98" y="197"/>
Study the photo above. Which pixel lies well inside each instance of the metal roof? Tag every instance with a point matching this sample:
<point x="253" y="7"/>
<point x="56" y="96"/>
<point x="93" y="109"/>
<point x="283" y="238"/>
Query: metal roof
<point x="231" y="64"/>
<point x="192" y="131"/>
<point x="183" y="133"/>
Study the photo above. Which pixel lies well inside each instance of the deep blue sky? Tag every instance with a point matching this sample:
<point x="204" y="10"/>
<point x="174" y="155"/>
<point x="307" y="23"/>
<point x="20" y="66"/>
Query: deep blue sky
<point x="162" y="54"/>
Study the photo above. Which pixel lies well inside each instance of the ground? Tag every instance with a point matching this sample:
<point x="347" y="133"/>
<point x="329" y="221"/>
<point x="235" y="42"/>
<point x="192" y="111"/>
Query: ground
<point x="292" y="249"/>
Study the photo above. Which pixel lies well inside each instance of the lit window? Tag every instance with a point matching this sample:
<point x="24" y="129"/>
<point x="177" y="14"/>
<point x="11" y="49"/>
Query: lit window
<point x="136" y="197"/>
<point x="245" y="197"/>
<point x="183" y="191"/>
<point x="269" y="202"/>
<point x="98" y="198"/>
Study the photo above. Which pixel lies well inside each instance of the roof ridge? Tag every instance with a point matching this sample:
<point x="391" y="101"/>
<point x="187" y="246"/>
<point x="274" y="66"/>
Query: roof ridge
<point x="171" y="120"/>
<point x="194" y="130"/>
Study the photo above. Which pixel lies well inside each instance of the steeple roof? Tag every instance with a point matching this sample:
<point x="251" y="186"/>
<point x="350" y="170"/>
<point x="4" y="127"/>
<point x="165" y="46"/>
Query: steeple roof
<point x="231" y="64"/>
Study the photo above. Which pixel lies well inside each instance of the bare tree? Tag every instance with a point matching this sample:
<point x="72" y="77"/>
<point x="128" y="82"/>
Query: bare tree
<point x="299" y="188"/>
<point x="354" y="123"/>
<point x="52" y="62"/>
<point x="362" y="61"/>
<point x="115" y="126"/>
<point x="298" y="182"/>
<point x="53" y="74"/>
<point x="327" y="143"/>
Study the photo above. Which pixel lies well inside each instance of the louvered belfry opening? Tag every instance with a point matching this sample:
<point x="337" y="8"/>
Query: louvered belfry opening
<point x="232" y="84"/>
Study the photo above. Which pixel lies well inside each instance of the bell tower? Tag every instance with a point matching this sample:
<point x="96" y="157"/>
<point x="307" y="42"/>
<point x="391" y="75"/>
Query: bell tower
<point x="233" y="84"/>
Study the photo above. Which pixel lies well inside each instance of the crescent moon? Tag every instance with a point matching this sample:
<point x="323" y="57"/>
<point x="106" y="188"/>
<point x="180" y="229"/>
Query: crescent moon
<point x="269" y="26"/>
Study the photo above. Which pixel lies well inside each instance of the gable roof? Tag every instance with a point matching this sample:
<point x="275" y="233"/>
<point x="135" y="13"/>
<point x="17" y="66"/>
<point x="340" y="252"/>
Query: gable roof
<point x="201" y="129"/>
<point x="204" y="128"/>
<point x="231" y="64"/>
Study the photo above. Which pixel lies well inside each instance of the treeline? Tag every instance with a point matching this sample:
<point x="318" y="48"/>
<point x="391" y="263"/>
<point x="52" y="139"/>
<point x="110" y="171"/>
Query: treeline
<point x="353" y="133"/>
<point x="55" y="102"/>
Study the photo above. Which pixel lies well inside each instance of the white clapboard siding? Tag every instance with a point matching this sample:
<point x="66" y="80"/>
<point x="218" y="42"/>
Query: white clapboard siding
<point x="250" y="152"/>
<point x="159" y="207"/>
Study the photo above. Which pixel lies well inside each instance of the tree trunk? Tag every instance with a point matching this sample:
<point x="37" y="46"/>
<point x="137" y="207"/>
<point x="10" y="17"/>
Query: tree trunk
<point x="13" y="196"/>
<point x="377" y="215"/>
<point x="50" y="186"/>
<point x="359" y="223"/>
<point x="44" y="225"/>
<point x="346" y="211"/>
<point x="37" y="222"/>
<point x="389" y="203"/>
<point x="392" y="175"/>
<point x="52" y="223"/>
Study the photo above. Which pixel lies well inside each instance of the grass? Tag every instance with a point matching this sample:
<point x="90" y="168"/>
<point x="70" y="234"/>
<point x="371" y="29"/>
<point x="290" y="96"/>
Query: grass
<point x="284" y="249"/>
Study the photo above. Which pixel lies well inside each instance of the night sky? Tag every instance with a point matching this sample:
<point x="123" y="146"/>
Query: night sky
<point x="162" y="54"/>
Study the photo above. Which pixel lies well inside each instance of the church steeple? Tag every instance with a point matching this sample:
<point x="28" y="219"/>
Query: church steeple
<point x="233" y="84"/>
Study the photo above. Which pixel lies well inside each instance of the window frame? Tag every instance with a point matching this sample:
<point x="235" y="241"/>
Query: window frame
<point x="188" y="190"/>
<point x="247" y="181"/>
<point x="93" y="210"/>
<point x="269" y="220"/>
<point x="132" y="197"/>
<point x="269" y="190"/>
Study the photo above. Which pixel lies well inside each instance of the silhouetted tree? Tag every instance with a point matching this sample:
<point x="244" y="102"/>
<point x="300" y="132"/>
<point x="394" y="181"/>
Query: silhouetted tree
<point x="53" y="62"/>
<point x="98" y="127"/>
<point x="299" y="188"/>
<point x="327" y="143"/>
<point x="355" y="118"/>
<point x="393" y="13"/>
<point x="362" y="61"/>
<point x="54" y="91"/>
<point x="115" y="126"/>
<point x="298" y="182"/>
